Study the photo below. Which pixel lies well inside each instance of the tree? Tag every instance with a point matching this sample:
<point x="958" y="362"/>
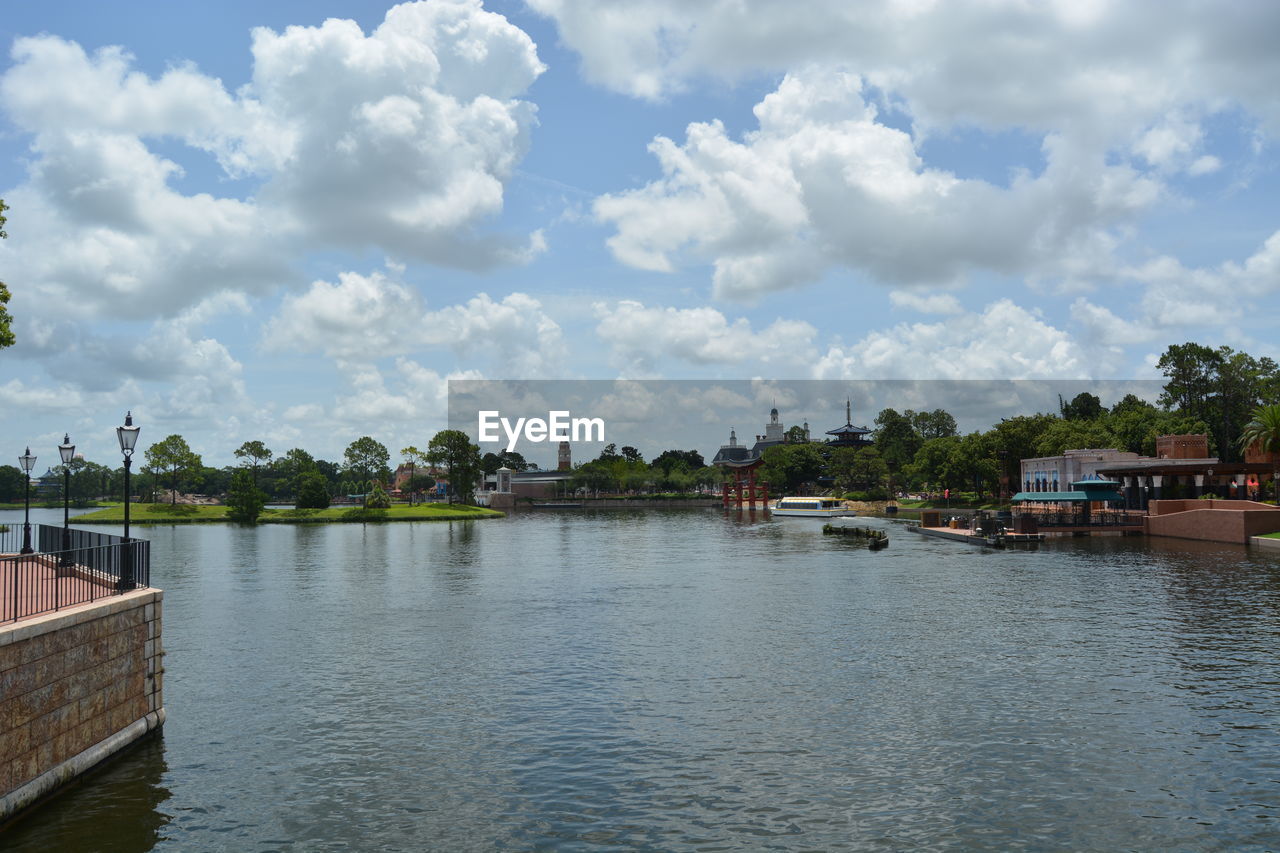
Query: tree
<point x="1083" y="407"/>
<point x="1189" y="369"/>
<point x="1263" y="429"/>
<point x="934" y="462"/>
<point x="11" y="483"/>
<point x="787" y="466"/>
<point x="419" y="483"/>
<point x="244" y="500"/>
<point x="367" y="459"/>
<point x="691" y="460"/>
<point x="256" y="453"/>
<point x="930" y="425"/>
<point x="88" y="480"/>
<point x="1068" y="435"/>
<point x="859" y="469"/>
<point x="896" y="440"/>
<point x="1220" y="387"/>
<point x="512" y="459"/>
<point x="289" y="469"/>
<point x="312" y="491"/>
<point x="174" y="458"/>
<point x="6" y="321"/>
<point x="795" y="434"/>
<point x="631" y="454"/>
<point x="452" y="451"/>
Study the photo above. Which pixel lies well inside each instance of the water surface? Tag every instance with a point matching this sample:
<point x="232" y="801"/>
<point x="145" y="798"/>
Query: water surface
<point x="689" y="680"/>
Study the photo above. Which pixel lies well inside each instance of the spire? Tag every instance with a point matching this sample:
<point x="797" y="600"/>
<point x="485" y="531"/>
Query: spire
<point x="848" y="411"/>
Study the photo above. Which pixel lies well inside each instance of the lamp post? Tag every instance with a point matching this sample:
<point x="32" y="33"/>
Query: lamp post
<point x="67" y="451"/>
<point x="128" y="436"/>
<point x="27" y="461"/>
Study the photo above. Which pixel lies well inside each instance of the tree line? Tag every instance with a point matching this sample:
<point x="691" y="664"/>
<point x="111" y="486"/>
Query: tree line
<point x="1231" y="397"/>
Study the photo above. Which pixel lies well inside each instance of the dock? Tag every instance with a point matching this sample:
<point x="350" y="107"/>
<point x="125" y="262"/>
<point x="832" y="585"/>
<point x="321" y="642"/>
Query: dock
<point x="996" y="540"/>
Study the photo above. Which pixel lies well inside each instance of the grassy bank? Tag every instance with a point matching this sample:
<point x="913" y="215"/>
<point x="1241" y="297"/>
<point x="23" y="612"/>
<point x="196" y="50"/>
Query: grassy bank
<point x="189" y="514"/>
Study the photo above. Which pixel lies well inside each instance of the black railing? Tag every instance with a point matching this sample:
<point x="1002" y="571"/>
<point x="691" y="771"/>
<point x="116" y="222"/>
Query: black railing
<point x="1107" y="518"/>
<point x="69" y="567"/>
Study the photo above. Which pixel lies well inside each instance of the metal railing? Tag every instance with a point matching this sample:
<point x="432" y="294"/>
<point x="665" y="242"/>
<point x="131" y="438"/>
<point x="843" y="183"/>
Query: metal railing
<point x="1097" y="518"/>
<point x="69" y="567"/>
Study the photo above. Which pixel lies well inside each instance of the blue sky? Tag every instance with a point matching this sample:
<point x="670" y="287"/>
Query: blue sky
<point x="296" y="221"/>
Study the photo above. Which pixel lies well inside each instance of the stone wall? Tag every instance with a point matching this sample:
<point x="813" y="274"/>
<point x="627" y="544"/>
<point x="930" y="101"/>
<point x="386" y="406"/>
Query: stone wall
<point x="1212" y="520"/>
<point x="76" y="686"/>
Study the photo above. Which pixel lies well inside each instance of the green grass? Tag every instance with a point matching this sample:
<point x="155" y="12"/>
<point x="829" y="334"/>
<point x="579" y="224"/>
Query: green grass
<point x="191" y="514"/>
<point x="1271" y="535"/>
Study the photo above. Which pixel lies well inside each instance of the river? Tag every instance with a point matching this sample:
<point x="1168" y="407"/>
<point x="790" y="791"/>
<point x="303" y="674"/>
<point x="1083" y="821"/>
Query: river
<point x="691" y="680"/>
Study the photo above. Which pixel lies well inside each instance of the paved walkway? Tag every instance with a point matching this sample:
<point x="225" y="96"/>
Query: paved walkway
<point x="40" y="589"/>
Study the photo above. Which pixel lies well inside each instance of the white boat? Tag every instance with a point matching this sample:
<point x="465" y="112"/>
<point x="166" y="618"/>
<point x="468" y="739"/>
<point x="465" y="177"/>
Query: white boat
<point x="812" y="507"/>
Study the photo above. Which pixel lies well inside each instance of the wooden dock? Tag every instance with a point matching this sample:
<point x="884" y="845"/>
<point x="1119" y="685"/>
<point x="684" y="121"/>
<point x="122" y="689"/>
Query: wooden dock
<point x="998" y="540"/>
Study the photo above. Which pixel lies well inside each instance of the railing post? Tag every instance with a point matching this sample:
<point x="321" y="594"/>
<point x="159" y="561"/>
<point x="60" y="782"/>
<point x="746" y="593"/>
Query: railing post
<point x="126" y="566"/>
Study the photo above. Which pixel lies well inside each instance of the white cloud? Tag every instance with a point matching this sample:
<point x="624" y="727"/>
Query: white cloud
<point x="359" y="317"/>
<point x="925" y="303"/>
<point x="1179" y="296"/>
<point x="639" y="337"/>
<point x="401" y="139"/>
<point x="823" y="183"/>
<point x="1104" y="327"/>
<point x="364" y="318"/>
<point x="1103" y="68"/>
<point x="1004" y="341"/>
<point x="515" y="333"/>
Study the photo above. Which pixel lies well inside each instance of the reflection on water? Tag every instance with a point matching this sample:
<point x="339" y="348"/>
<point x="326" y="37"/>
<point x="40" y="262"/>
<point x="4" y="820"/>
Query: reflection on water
<point x="694" y="680"/>
<point x="117" y="807"/>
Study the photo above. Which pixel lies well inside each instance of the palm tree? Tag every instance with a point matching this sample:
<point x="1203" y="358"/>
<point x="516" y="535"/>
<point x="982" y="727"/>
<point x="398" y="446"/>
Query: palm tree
<point x="1264" y="432"/>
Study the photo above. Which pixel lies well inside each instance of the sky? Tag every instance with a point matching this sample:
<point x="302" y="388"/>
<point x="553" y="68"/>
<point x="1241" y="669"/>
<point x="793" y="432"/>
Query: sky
<point x="296" y="222"/>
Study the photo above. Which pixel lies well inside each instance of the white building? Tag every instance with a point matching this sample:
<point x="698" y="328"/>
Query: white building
<point x="1057" y="473"/>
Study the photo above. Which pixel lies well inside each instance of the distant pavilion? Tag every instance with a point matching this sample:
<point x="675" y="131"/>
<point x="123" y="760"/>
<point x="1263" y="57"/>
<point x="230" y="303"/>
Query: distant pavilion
<point x="849" y="435"/>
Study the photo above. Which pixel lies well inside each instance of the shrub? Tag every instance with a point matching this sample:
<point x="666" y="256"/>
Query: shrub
<point x="877" y="494"/>
<point x="378" y="498"/>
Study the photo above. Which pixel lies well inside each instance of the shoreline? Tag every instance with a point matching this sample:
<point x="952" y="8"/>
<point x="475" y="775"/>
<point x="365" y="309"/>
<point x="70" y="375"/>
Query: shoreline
<point x="203" y="514"/>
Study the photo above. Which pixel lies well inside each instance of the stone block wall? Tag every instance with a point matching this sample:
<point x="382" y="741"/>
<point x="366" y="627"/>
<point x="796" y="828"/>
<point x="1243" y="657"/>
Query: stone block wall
<point x="75" y="687"/>
<point x="1212" y="520"/>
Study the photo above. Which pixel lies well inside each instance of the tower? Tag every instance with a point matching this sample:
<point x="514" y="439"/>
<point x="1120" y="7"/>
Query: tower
<point x="563" y="460"/>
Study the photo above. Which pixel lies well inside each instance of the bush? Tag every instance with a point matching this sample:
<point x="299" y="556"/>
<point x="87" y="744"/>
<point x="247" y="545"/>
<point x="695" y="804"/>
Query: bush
<point x="378" y="498"/>
<point x="313" y="491"/>
<point x="877" y="494"/>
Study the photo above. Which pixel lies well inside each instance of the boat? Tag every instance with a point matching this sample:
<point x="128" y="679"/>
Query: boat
<point x="812" y="507"/>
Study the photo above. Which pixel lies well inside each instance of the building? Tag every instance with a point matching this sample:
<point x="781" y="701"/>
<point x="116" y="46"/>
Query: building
<point x="1182" y="447"/>
<point x="849" y="435"/>
<point x="1181" y="468"/>
<point x="1053" y="473"/>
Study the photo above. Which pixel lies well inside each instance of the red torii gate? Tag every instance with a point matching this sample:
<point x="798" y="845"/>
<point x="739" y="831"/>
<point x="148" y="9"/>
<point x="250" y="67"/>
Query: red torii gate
<point x="745" y="489"/>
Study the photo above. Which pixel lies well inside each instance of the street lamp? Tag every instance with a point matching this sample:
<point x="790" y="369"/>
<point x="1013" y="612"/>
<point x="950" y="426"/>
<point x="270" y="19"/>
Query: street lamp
<point x="27" y="461"/>
<point x="68" y="452"/>
<point x="128" y="436"/>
